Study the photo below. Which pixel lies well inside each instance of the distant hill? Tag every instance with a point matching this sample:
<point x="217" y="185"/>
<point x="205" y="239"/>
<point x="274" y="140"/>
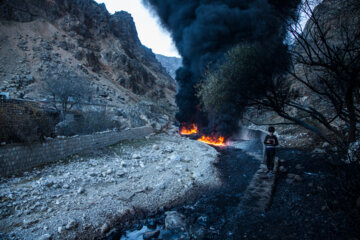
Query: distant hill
<point x="171" y="64"/>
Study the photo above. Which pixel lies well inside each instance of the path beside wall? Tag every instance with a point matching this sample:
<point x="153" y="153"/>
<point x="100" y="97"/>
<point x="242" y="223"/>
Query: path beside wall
<point x="15" y="159"/>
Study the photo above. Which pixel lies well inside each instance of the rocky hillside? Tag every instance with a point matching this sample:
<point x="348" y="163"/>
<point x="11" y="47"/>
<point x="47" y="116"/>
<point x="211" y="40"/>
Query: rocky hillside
<point x="171" y="64"/>
<point x="42" y="38"/>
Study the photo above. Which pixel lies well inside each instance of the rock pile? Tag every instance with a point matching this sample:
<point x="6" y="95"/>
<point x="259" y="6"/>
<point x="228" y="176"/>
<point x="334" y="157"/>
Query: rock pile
<point x="85" y="192"/>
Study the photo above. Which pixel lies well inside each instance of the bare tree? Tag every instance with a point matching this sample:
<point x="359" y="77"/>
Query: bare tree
<point x="67" y="90"/>
<point x="326" y="61"/>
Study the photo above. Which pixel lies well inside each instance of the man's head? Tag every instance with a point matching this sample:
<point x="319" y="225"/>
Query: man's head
<point x="271" y="130"/>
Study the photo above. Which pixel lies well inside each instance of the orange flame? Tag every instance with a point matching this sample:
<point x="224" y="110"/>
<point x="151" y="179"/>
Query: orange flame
<point x="188" y="130"/>
<point x="212" y="140"/>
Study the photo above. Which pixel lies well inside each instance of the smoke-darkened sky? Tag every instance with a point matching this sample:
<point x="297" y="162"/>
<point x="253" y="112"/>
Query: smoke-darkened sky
<point x="203" y="30"/>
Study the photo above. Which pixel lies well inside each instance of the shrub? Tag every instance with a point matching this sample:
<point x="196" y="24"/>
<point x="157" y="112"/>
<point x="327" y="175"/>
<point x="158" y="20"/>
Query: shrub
<point x="25" y="122"/>
<point x="86" y="123"/>
<point x="97" y="122"/>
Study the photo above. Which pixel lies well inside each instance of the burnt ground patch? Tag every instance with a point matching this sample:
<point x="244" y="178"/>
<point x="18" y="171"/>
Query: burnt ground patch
<point x="211" y="213"/>
<point x="321" y="206"/>
<point x="207" y="215"/>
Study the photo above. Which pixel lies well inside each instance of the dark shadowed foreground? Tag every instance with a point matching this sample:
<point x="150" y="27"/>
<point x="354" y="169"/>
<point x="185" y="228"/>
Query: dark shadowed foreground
<point x="313" y="206"/>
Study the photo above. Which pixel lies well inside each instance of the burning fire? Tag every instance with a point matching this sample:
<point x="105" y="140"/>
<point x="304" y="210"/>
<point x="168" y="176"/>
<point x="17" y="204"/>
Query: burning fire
<point x="189" y="129"/>
<point x="212" y="140"/>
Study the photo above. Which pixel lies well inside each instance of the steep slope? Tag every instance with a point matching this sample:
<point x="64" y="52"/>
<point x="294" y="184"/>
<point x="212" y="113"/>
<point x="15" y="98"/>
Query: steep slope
<point x="171" y="64"/>
<point x="41" y="38"/>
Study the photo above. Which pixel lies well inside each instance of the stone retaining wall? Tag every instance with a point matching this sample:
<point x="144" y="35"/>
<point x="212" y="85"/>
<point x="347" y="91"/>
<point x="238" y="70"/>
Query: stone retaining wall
<point x="15" y="159"/>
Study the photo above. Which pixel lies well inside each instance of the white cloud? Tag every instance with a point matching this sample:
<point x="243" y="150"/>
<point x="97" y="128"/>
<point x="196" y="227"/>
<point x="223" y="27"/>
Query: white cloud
<point x="150" y="32"/>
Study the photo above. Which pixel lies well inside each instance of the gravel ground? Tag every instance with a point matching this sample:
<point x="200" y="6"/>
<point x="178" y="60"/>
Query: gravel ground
<point x="309" y="202"/>
<point x="80" y="197"/>
<point x="89" y="195"/>
<point x="207" y="216"/>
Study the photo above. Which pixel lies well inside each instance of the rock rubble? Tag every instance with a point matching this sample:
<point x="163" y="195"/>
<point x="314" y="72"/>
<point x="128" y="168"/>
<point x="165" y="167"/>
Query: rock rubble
<point x="83" y="193"/>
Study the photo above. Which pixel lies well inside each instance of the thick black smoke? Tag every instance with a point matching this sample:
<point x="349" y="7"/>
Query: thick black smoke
<point x="203" y="30"/>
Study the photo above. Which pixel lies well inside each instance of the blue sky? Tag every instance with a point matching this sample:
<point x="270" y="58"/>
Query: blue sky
<point x="150" y="32"/>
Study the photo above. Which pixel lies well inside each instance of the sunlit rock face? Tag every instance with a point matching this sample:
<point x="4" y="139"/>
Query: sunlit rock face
<point x="39" y="39"/>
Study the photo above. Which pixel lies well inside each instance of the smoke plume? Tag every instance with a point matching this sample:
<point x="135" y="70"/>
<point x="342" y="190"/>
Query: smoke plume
<point x="203" y="30"/>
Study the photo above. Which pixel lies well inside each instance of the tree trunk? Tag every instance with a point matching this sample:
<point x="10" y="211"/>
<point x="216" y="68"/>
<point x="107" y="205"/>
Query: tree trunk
<point x="352" y="115"/>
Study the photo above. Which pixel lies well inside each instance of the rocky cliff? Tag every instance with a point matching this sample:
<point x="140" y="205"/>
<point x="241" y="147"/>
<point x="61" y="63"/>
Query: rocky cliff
<point x="42" y="38"/>
<point x="171" y="64"/>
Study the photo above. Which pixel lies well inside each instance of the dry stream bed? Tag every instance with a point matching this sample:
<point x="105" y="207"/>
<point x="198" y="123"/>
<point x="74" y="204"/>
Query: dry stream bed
<point x="169" y="187"/>
<point x="82" y="196"/>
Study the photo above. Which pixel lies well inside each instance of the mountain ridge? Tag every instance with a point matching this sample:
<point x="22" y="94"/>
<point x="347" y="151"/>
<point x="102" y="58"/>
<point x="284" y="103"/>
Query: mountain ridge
<point x="46" y="37"/>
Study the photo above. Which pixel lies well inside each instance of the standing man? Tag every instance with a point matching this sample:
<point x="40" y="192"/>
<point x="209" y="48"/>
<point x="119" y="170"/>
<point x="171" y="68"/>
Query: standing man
<point x="270" y="143"/>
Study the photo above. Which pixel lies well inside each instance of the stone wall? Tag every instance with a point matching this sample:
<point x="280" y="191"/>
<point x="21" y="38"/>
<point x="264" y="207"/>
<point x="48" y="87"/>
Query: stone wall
<point x="25" y="121"/>
<point x="15" y="159"/>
